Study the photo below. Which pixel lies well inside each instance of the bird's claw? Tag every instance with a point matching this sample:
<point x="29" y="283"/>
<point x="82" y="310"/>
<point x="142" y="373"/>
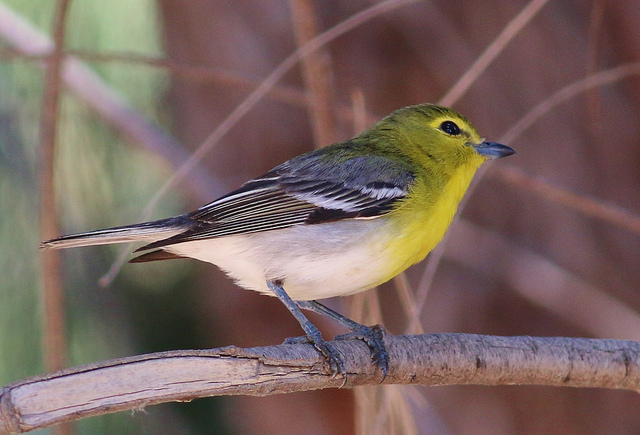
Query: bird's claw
<point x="303" y="339"/>
<point x="333" y="356"/>
<point x="329" y="352"/>
<point x="373" y="336"/>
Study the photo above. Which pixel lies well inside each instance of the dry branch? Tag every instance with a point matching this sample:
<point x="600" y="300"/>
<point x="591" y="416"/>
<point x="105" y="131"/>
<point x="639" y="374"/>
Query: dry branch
<point x="433" y="359"/>
<point x="54" y="341"/>
<point x="317" y="73"/>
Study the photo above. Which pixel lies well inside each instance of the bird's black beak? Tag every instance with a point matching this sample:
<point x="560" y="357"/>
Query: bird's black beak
<point x="493" y="150"/>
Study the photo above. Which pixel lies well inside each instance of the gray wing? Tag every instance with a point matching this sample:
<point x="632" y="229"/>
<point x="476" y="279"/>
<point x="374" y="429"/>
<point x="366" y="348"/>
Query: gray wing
<point x="309" y="189"/>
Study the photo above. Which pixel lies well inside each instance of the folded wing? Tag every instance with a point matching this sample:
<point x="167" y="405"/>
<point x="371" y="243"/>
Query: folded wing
<point x="310" y="189"/>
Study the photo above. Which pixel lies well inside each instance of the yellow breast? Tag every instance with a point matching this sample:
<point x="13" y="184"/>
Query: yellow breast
<point x="421" y="222"/>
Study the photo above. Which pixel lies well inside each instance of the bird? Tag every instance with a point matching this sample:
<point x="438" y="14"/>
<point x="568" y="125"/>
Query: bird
<point x="332" y="222"/>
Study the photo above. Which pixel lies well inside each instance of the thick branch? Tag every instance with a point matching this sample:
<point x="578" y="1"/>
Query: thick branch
<point x="434" y="359"/>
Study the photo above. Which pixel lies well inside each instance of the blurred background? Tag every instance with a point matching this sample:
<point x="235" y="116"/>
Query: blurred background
<point x="548" y="243"/>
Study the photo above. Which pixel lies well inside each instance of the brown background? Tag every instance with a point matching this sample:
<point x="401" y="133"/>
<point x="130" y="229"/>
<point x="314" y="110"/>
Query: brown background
<point x="518" y="262"/>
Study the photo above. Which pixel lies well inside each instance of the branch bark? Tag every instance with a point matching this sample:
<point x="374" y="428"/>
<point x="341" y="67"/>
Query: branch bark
<point x="433" y="359"/>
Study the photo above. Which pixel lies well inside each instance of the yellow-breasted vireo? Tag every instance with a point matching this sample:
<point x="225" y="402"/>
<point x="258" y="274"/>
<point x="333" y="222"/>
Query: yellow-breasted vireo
<point x="331" y="222"/>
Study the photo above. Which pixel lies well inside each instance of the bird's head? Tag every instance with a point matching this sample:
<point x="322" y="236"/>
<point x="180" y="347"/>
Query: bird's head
<point x="438" y="135"/>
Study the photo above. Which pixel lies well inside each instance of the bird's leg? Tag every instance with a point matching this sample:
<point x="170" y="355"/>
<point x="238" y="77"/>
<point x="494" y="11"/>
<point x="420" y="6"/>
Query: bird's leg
<point x="372" y="335"/>
<point x="312" y="332"/>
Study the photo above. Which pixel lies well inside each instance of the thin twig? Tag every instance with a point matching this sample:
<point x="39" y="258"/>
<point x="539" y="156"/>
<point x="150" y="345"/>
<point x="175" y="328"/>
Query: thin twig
<point x="585" y="204"/>
<point x="572" y="90"/>
<point x="53" y="322"/>
<point x="317" y="74"/>
<point x="596" y="19"/>
<point x="492" y="51"/>
<point x="232" y="79"/>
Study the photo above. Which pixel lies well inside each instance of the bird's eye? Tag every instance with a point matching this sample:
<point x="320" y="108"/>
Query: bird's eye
<point x="450" y="127"/>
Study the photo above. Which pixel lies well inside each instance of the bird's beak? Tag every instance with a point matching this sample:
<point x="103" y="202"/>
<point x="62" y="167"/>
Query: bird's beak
<point x="493" y="150"/>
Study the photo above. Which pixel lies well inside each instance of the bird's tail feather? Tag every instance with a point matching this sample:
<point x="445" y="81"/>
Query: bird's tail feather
<point x="145" y="232"/>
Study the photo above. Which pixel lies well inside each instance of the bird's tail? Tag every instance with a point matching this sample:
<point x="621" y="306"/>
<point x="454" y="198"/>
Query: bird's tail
<point x="145" y="232"/>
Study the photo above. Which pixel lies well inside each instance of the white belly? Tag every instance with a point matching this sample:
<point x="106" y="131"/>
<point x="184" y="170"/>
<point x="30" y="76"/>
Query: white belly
<point x="312" y="261"/>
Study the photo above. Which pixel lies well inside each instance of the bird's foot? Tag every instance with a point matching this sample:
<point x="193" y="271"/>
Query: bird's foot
<point x="374" y="337"/>
<point x="332" y="355"/>
<point x="312" y="332"/>
<point x="303" y="339"/>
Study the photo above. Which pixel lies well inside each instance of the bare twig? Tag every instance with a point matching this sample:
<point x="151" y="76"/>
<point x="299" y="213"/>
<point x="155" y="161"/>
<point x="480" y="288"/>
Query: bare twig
<point x="596" y="21"/>
<point x="316" y="69"/>
<point x="53" y="323"/>
<point x="585" y="204"/>
<point x="209" y="74"/>
<point x="435" y="359"/>
<point x="492" y="51"/>
<point x="571" y="90"/>
<point x="196" y="73"/>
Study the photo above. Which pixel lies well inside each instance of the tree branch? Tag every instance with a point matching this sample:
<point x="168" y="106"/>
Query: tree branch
<point x="433" y="359"/>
